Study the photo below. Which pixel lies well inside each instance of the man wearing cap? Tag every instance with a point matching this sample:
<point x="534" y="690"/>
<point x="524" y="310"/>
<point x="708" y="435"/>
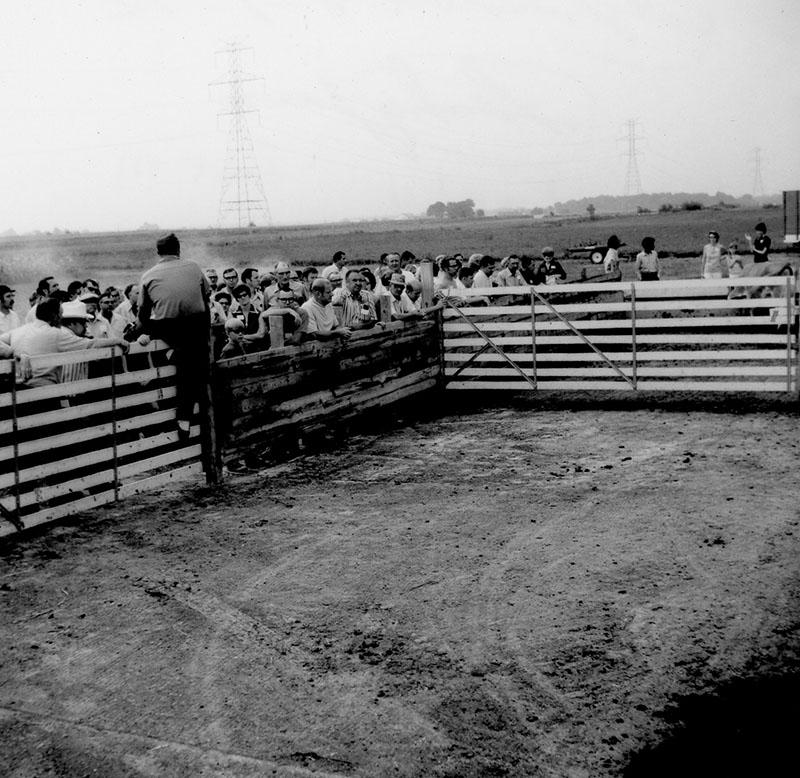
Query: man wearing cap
<point x="284" y="283"/>
<point x="550" y="271"/>
<point x="322" y="322"/>
<point x="173" y="306"/>
<point x="9" y="318"/>
<point x="400" y="305"/>
<point x="353" y="305"/>
<point x="46" y="335"/>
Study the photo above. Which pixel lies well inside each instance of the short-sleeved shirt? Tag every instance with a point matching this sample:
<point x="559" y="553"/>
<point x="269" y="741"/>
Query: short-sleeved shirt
<point x="355" y="310"/>
<point x="762" y="244"/>
<point x="481" y="281"/>
<point x="38" y="338"/>
<point x="321" y="318"/>
<point x="401" y="306"/>
<point x="172" y="288"/>
<point x="506" y="278"/>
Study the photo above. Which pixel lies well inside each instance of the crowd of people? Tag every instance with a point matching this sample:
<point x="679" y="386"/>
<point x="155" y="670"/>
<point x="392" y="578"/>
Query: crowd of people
<point x="312" y="303"/>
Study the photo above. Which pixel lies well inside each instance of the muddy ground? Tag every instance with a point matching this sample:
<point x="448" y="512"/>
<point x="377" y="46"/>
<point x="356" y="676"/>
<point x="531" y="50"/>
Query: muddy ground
<point x="584" y="590"/>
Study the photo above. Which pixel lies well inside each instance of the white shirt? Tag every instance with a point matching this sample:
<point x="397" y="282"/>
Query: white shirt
<point x="9" y="321"/>
<point x="481" y="281"/>
<point x="321" y="318"/>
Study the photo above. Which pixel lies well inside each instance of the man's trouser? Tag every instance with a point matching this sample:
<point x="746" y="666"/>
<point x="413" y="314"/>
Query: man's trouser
<point x="188" y="337"/>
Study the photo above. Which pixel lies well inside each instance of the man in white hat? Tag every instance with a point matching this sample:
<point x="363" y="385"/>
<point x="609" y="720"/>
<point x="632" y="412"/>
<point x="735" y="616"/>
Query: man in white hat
<point x="400" y="305"/>
<point x="46" y="335"/>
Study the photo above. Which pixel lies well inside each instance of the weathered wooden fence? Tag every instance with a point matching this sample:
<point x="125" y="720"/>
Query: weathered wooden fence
<point x="284" y="393"/>
<point x="108" y="429"/>
<point x="106" y="432"/>
<point x="725" y="335"/>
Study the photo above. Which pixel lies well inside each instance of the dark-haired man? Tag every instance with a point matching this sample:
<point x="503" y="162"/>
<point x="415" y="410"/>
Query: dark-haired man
<point x="44" y="289"/>
<point x="9" y="318"/>
<point x="173" y="306"/>
<point x="355" y="307"/>
<point x="337" y="265"/>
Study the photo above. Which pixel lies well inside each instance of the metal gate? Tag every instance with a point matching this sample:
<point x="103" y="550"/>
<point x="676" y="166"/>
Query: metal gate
<point x="683" y="335"/>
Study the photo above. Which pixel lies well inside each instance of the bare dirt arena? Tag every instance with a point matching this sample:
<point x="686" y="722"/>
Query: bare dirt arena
<point x="598" y="589"/>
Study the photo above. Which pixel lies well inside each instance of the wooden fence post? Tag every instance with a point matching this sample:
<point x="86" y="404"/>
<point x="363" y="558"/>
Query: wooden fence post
<point x="275" y="332"/>
<point x="208" y="434"/>
<point x="426" y="279"/>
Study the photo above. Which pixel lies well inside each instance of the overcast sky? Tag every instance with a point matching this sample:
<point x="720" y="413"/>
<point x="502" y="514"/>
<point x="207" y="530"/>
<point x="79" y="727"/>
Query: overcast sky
<point x="369" y="108"/>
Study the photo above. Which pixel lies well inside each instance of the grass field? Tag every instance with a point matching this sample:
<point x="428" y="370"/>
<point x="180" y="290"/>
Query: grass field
<point x="120" y="258"/>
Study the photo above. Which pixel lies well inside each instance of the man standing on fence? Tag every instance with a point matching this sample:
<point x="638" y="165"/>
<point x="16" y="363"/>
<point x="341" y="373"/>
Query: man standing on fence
<point x="173" y="307"/>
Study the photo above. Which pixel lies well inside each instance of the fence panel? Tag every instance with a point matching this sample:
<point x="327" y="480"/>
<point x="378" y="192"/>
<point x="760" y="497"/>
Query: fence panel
<point x="105" y="431"/>
<point x="723" y="335"/>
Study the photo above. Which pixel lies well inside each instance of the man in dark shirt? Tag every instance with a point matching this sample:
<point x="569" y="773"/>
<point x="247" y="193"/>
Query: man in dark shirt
<point x="173" y="307"/>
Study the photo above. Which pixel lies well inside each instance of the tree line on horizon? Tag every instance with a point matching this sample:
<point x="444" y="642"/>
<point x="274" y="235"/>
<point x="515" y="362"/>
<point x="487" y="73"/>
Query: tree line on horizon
<point x="641" y="203"/>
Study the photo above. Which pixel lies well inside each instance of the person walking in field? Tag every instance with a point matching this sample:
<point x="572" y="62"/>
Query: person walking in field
<point x="711" y="264"/>
<point x="647" y="266"/>
<point x="173" y="306"/>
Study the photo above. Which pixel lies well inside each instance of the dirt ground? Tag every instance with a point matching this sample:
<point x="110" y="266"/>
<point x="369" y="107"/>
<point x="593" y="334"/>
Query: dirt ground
<point x="536" y="591"/>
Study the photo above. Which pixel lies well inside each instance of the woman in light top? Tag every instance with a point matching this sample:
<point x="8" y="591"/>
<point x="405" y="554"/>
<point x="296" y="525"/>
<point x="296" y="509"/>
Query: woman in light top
<point x="711" y="259"/>
<point x="647" y="267"/>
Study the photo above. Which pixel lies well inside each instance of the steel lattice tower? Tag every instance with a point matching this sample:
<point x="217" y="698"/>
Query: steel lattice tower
<point x="633" y="183"/>
<point x="242" y="188"/>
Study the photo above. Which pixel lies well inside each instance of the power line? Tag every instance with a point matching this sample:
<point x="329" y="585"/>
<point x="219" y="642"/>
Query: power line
<point x="242" y="188"/>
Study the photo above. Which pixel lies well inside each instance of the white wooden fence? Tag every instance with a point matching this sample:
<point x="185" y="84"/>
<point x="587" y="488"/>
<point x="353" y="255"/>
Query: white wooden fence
<point x="695" y="335"/>
<point x="108" y="433"/>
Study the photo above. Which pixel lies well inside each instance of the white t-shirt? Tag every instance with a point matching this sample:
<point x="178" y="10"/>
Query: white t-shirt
<point x="321" y="318"/>
<point x="9" y="321"/>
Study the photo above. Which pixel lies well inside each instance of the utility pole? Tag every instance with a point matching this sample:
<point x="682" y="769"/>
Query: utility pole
<point x="758" y="184"/>
<point x="633" y="183"/>
<point x="242" y="189"/>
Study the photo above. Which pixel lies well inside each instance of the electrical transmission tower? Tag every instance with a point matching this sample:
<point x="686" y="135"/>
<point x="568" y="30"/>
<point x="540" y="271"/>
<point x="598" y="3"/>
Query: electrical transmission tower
<point x="633" y="183"/>
<point x="758" y="184"/>
<point x="242" y="188"/>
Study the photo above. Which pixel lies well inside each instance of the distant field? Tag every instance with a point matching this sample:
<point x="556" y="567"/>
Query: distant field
<point x="121" y="257"/>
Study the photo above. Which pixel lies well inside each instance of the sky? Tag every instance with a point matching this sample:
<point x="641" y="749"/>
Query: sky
<point x="115" y="110"/>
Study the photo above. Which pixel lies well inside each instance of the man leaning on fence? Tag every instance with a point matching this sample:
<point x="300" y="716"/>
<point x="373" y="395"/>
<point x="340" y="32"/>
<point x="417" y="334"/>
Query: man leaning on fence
<point x="46" y="335"/>
<point x="173" y="307"/>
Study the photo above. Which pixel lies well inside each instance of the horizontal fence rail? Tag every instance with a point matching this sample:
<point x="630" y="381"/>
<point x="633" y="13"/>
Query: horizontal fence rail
<point x="106" y="431"/>
<point x="284" y="392"/>
<point x="684" y="335"/>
